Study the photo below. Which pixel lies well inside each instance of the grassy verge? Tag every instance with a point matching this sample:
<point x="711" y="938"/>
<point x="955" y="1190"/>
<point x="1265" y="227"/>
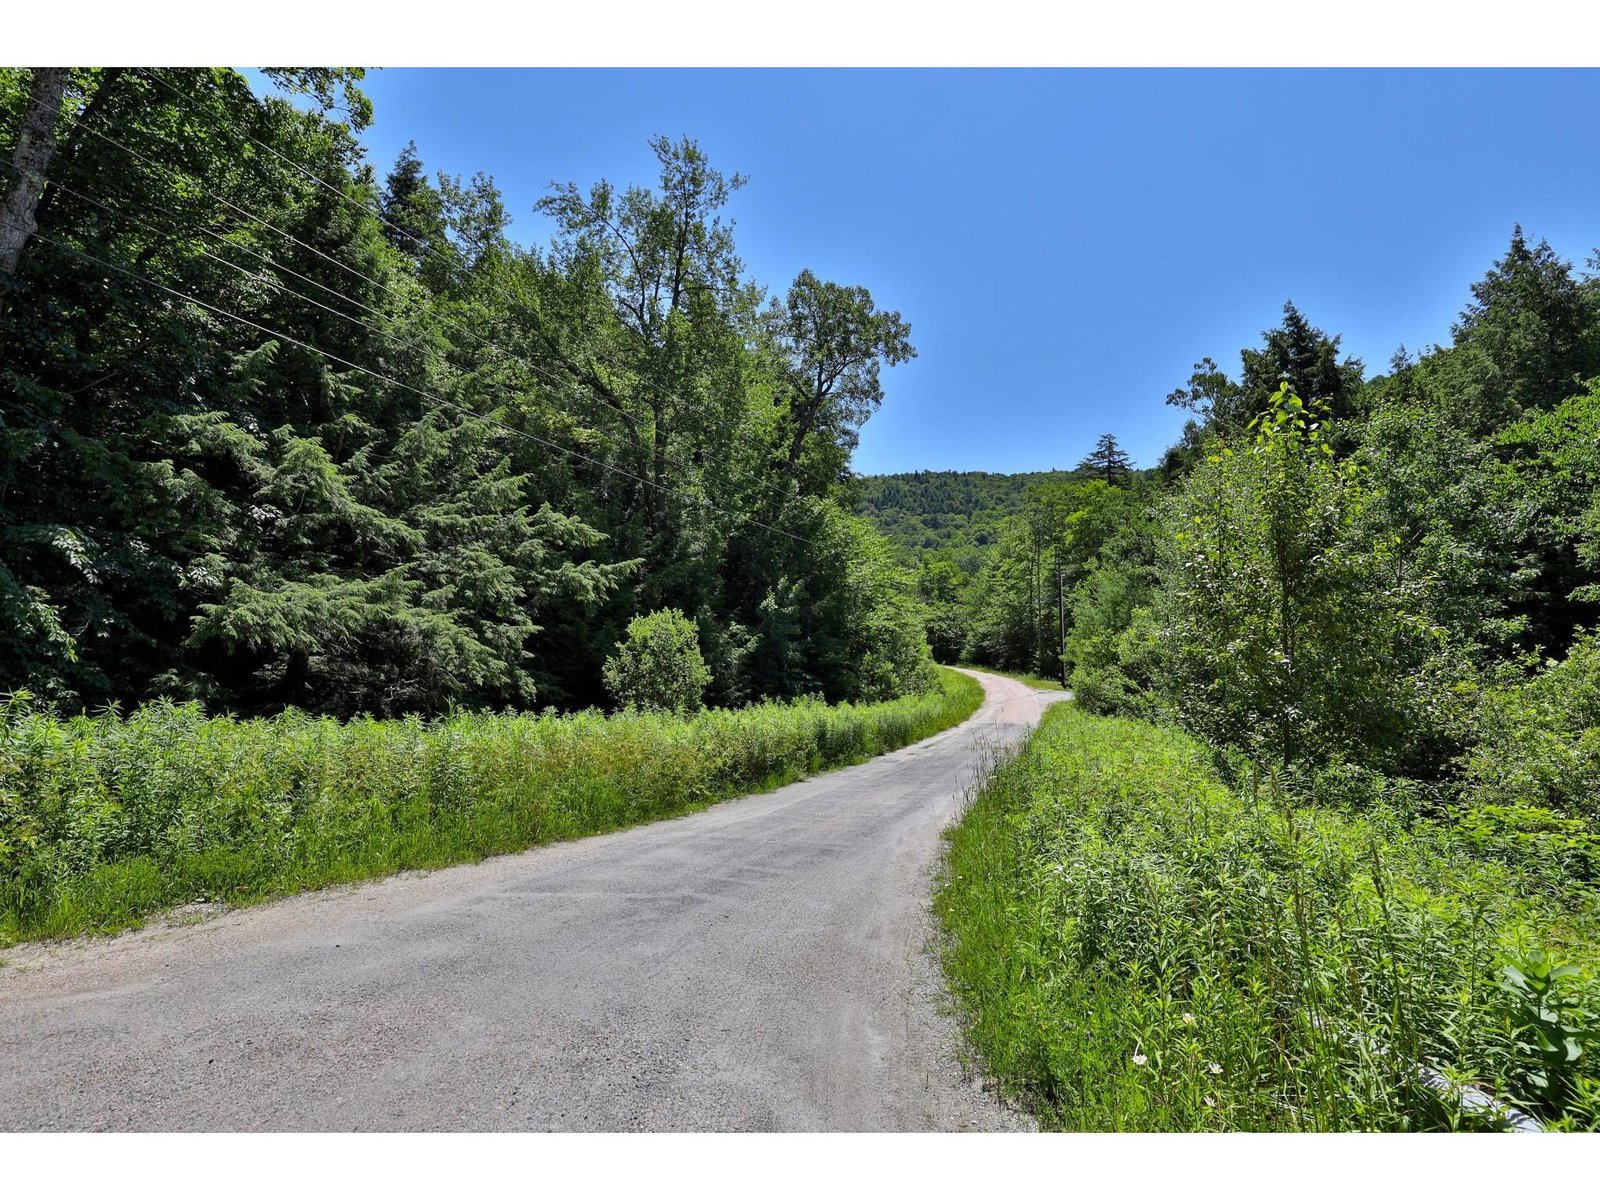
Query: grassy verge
<point x="1135" y="946"/>
<point x="1033" y="681"/>
<point x="106" y="819"/>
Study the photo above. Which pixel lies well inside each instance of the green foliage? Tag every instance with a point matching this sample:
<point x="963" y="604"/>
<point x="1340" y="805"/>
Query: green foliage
<point x="1107" y="461"/>
<point x="106" y="819"/>
<point x="1109" y="673"/>
<point x="1296" y="354"/>
<point x="1138" y="947"/>
<point x="1549" y="487"/>
<point x="427" y="467"/>
<point x="1283" y="628"/>
<point x="1540" y="742"/>
<point x="658" y="667"/>
<point x="952" y="516"/>
<point x="1529" y="333"/>
<point x="832" y="342"/>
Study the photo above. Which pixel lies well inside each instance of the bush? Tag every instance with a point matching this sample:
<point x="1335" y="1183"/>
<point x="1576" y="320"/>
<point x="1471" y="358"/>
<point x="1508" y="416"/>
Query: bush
<point x="658" y="667"/>
<point x="1138" y="947"/>
<point x="1541" y="744"/>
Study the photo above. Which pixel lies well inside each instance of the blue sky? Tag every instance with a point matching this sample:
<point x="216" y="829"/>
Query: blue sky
<point x="1065" y="243"/>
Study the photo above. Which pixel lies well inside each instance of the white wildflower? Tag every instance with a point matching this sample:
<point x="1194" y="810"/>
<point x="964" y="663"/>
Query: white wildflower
<point x="1214" y="1068"/>
<point x="1188" y="1018"/>
<point x="1139" y="1060"/>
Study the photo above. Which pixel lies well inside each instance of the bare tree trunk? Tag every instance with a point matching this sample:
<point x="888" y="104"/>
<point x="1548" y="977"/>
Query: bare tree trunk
<point x="36" y="143"/>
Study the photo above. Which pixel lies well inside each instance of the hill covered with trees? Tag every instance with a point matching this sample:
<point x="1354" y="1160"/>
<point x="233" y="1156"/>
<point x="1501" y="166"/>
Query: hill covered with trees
<point x="949" y="525"/>
<point x="955" y="515"/>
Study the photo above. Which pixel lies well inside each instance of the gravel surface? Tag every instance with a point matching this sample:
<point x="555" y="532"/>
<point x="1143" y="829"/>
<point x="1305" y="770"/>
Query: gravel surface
<point x="762" y="965"/>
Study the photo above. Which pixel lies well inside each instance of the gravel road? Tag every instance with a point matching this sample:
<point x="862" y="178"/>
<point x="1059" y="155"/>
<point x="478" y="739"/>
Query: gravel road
<point x="762" y="965"/>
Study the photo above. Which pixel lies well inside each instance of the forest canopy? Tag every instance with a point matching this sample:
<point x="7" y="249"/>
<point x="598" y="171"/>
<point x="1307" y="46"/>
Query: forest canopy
<point x="1396" y="575"/>
<point x="280" y="427"/>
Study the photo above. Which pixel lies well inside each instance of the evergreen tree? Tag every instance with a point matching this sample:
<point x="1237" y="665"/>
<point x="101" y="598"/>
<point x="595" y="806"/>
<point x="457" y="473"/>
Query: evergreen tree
<point x="1531" y="332"/>
<point x="263" y="445"/>
<point x="412" y="208"/>
<point x="1307" y="359"/>
<point x="1107" y="460"/>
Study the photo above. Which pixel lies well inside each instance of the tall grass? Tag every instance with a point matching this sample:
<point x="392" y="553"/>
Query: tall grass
<point x="105" y="819"/>
<point x="1135" y="946"/>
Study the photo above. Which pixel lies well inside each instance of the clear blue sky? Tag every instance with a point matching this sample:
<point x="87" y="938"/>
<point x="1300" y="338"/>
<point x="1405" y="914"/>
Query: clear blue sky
<point x="1065" y="244"/>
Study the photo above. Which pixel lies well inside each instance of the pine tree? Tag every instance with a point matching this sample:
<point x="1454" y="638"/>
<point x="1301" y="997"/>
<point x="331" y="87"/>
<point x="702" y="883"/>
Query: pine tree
<point x="1537" y="326"/>
<point x="1305" y="357"/>
<point x="1108" y="461"/>
<point x="413" y="209"/>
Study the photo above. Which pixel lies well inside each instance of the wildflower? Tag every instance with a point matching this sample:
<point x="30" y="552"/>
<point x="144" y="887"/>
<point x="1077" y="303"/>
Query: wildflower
<point x="1057" y="869"/>
<point x="1211" y="1101"/>
<point x="1139" y="1060"/>
<point x="1214" y="1068"/>
<point x="1188" y="1018"/>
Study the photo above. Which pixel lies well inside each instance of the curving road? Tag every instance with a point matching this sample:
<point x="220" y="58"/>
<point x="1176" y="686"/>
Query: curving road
<point x="761" y="965"/>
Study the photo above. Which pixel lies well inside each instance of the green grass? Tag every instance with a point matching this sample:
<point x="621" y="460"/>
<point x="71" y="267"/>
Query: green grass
<point x="1033" y="681"/>
<point x="1136" y="947"/>
<point x="104" y="820"/>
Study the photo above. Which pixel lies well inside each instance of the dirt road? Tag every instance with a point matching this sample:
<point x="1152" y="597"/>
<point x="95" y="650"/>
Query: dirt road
<point x="759" y="965"/>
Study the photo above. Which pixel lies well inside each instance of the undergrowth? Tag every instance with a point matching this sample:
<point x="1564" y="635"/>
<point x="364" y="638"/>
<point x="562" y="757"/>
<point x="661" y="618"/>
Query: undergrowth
<point x="105" y="819"/>
<point x="1137" y="947"/>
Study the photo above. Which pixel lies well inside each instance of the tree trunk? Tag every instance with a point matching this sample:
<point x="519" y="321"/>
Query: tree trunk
<point x="36" y="144"/>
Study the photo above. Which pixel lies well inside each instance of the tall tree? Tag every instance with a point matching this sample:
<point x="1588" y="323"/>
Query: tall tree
<point x="1107" y="460"/>
<point x="833" y="342"/>
<point x="1531" y="331"/>
<point x="1307" y="359"/>
<point x="412" y="208"/>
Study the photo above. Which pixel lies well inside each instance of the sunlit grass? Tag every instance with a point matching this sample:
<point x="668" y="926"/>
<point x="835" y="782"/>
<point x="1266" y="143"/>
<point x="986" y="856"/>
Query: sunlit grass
<point x="106" y="819"/>
<point x="1137" y="947"/>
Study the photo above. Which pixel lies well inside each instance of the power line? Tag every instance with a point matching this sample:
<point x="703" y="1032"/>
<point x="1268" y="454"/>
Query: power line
<point x="279" y="285"/>
<point x="483" y="340"/>
<point x="729" y="431"/>
<point x="435" y="400"/>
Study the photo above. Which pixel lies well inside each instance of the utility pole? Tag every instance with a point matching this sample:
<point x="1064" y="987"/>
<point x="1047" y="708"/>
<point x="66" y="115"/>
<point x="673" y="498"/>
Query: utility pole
<point x="1035" y="588"/>
<point x="1061" y="621"/>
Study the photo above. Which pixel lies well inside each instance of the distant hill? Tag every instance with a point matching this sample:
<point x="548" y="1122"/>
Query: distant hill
<point x="947" y="514"/>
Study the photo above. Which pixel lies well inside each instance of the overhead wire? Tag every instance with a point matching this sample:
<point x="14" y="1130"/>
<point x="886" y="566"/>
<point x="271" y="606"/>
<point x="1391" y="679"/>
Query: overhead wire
<point x="431" y="398"/>
<point x="467" y="330"/>
<point x="731" y="432"/>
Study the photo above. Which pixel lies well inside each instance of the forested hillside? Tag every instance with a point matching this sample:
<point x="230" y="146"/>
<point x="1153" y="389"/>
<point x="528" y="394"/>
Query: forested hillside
<point x="948" y="525"/>
<point x="951" y="515"/>
<point x="283" y="427"/>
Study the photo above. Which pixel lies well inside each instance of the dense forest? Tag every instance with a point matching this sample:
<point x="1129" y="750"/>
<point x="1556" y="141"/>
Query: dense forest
<point x="281" y="428"/>
<point x="950" y="515"/>
<point x="328" y="511"/>
<point x="1401" y="571"/>
<point x="1317" y="845"/>
<point x="953" y="528"/>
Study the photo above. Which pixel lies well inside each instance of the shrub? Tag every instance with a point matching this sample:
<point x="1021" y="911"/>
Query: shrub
<point x="658" y="667"/>
<point x="1541" y="741"/>
<point x="1136" y="946"/>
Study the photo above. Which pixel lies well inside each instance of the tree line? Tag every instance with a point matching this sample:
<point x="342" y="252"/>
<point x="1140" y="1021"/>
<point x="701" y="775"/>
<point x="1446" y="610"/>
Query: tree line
<point x="1393" y="580"/>
<point x="275" y="431"/>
